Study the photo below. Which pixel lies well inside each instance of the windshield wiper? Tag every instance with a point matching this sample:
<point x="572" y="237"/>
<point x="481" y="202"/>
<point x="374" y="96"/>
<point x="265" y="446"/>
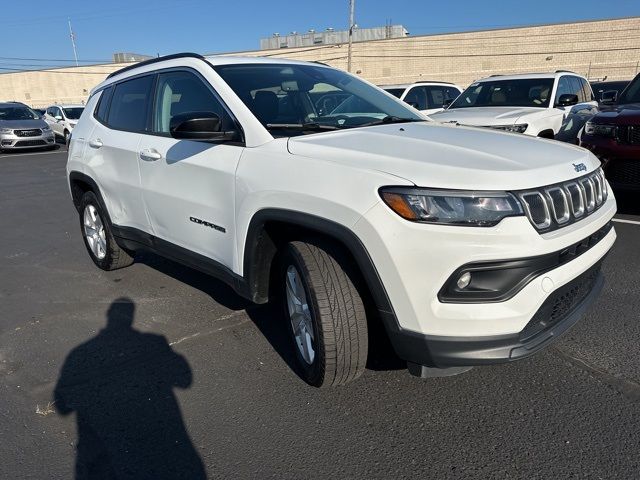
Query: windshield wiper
<point x="305" y="127"/>
<point x="390" y="119"/>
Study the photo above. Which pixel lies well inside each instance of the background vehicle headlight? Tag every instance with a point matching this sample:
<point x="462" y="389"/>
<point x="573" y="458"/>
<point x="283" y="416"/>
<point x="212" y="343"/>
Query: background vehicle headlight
<point x="5" y="130"/>
<point x="451" y="207"/>
<point x="518" y="128"/>
<point x="591" y="128"/>
<point x="46" y="128"/>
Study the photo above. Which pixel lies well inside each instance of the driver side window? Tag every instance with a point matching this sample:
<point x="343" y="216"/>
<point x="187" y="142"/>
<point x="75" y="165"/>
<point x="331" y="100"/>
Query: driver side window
<point x="183" y="92"/>
<point x="564" y="88"/>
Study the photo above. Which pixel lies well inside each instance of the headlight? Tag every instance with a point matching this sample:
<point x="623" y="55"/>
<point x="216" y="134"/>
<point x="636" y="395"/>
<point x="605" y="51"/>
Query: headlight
<point x="6" y="130"/>
<point x="519" y="128"/>
<point x="591" y="128"/>
<point x="451" y="207"/>
<point x="45" y="128"/>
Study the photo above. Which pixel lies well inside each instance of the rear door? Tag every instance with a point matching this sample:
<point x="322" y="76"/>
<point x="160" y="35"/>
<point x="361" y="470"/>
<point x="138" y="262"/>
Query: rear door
<point x="189" y="186"/>
<point x="122" y="117"/>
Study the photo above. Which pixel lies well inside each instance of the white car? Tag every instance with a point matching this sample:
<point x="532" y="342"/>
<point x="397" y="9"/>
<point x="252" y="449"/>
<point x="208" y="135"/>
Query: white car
<point x="470" y="246"/>
<point x="538" y="104"/>
<point x="428" y="97"/>
<point x="63" y="118"/>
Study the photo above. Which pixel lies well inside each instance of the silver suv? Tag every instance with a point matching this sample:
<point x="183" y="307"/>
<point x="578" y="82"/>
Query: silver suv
<point x="21" y="127"/>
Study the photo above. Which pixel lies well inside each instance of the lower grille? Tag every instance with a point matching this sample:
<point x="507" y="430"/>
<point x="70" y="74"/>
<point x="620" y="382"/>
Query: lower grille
<point x="34" y="132"/>
<point x="30" y="143"/>
<point x="561" y="303"/>
<point x="623" y="172"/>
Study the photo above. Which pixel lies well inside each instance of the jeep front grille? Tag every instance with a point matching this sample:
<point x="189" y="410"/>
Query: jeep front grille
<point x="555" y="206"/>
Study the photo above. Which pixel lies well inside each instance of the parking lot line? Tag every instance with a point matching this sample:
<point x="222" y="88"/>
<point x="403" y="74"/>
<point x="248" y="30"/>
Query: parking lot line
<point x="622" y="220"/>
<point x="12" y="155"/>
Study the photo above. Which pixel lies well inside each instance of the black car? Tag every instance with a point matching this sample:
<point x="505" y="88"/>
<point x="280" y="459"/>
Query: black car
<point x="612" y="86"/>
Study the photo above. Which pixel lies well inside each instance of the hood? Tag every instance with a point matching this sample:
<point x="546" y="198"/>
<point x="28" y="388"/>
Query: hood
<point x="23" y="124"/>
<point x="480" y="116"/>
<point x="448" y="156"/>
<point x="628" y="114"/>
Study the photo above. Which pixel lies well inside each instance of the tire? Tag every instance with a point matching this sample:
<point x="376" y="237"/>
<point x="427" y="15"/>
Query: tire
<point x="337" y="353"/>
<point x="65" y="135"/>
<point x="97" y="236"/>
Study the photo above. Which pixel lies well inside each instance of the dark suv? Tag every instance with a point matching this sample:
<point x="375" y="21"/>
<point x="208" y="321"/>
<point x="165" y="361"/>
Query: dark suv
<point x="614" y="136"/>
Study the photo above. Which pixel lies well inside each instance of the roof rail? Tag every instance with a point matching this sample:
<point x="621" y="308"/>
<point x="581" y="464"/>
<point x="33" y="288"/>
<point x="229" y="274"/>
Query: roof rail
<point x="433" y="81"/>
<point x="156" y="60"/>
<point x="564" y="71"/>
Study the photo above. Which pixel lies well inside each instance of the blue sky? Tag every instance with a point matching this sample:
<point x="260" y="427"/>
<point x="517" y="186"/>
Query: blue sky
<point x="40" y="31"/>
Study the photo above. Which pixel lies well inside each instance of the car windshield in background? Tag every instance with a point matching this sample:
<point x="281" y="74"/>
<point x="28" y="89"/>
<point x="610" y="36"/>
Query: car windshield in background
<point x="529" y="92"/>
<point x="632" y="93"/>
<point x="73" y="113"/>
<point x="18" y="113"/>
<point x="396" y="92"/>
<point x="293" y="99"/>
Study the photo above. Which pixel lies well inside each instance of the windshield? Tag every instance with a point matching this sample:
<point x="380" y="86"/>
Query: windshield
<point x="292" y="97"/>
<point x="632" y="93"/>
<point x="396" y="92"/>
<point x="73" y="113"/>
<point x="18" y="112"/>
<point x="526" y="92"/>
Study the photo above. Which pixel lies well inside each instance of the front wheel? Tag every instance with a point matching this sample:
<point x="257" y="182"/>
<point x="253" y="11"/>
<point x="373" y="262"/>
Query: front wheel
<point x="325" y="313"/>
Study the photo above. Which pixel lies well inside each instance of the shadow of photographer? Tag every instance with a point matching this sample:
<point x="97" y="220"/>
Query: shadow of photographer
<point x="120" y="385"/>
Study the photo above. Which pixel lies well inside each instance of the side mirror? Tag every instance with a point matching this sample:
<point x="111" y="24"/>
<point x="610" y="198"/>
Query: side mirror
<point x="567" y="100"/>
<point x="202" y="126"/>
<point x="609" y="97"/>
<point x="447" y="103"/>
<point x="58" y="117"/>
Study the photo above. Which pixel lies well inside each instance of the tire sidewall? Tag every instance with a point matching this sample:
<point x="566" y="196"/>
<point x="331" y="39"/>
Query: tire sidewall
<point x="89" y="198"/>
<point x="312" y="373"/>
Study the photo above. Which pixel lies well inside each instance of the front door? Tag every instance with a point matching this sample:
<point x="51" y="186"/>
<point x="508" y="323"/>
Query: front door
<point x="189" y="186"/>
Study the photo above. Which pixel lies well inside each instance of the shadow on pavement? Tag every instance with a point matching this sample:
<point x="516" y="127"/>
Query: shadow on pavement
<point x="120" y="385"/>
<point x="628" y="202"/>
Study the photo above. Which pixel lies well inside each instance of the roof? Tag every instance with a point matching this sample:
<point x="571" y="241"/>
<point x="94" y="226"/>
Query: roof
<point x="521" y="76"/>
<point x="67" y="105"/>
<point x="421" y="82"/>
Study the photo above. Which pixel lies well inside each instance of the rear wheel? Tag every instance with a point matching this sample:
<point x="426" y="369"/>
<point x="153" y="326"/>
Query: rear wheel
<point x="325" y="313"/>
<point x="97" y="236"/>
<point x="66" y="137"/>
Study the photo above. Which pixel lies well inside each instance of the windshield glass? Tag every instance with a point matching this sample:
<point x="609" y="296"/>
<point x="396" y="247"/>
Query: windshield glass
<point x="18" y="112"/>
<point x="632" y="93"/>
<point x="396" y="92"/>
<point x="73" y="113"/>
<point x="292" y="97"/>
<point x="526" y="92"/>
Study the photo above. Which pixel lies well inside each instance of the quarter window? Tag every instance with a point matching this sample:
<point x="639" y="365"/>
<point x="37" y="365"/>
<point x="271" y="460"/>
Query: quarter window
<point x="182" y="92"/>
<point x="130" y="104"/>
<point x="103" y="105"/>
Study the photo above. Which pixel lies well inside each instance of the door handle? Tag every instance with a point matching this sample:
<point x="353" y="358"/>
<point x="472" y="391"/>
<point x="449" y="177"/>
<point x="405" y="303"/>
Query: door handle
<point x="97" y="143"/>
<point x="150" y="155"/>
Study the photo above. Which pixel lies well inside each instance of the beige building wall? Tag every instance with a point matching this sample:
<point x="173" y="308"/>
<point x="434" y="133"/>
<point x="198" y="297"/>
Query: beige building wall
<point x="596" y="49"/>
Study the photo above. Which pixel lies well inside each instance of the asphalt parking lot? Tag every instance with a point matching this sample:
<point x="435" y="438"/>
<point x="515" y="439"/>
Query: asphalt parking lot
<point x="222" y="383"/>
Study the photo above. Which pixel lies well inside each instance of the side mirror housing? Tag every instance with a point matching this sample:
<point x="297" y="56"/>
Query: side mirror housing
<point x="609" y="97"/>
<point x="58" y="117"/>
<point x="201" y="126"/>
<point x="567" y="100"/>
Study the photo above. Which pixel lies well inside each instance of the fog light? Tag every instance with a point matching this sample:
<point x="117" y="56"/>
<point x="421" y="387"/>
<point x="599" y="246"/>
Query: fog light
<point x="464" y="280"/>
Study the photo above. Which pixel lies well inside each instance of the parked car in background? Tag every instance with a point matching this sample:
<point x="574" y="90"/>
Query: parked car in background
<point x="21" y="127"/>
<point x="428" y="97"/>
<point x="63" y="118"/>
<point x="549" y="105"/>
<point x="371" y="214"/>
<point x="599" y="88"/>
<point x="39" y="111"/>
<point x="614" y="136"/>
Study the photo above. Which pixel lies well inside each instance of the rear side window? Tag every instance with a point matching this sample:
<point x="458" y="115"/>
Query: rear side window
<point x="130" y="104"/>
<point x="103" y="105"/>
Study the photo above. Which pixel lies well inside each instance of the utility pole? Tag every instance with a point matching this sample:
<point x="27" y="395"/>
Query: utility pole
<point x="352" y="6"/>
<point x="73" y="42"/>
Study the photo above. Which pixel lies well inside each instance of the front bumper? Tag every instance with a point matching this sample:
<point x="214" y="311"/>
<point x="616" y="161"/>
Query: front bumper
<point x="10" y="141"/>
<point x="414" y="261"/>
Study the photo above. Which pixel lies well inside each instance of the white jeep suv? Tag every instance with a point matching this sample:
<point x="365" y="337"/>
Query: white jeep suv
<point x="470" y="246"/>
<point x="539" y="104"/>
<point x="429" y="97"/>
